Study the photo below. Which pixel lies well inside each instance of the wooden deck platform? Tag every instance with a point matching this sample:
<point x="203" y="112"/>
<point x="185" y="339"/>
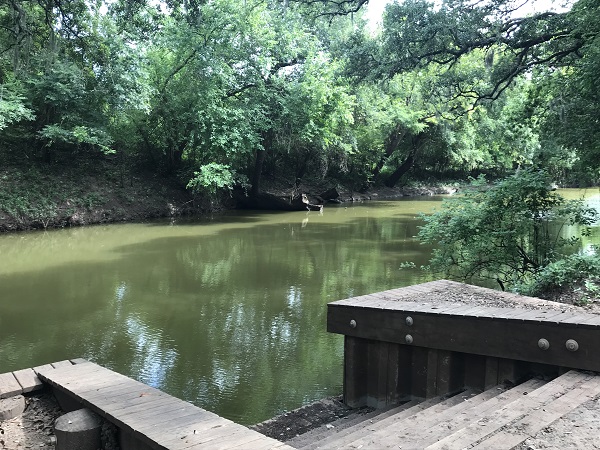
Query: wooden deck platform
<point x="435" y="338"/>
<point x="147" y="415"/>
<point x="152" y="417"/>
<point x="486" y="322"/>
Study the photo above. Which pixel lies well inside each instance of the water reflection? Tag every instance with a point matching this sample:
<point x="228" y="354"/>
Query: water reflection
<point x="228" y="314"/>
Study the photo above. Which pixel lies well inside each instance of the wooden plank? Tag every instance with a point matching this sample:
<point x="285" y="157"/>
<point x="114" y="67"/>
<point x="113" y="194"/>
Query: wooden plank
<point x="539" y="315"/>
<point x="431" y="374"/>
<point x="79" y="361"/>
<point x="154" y="428"/>
<point x="474" y="371"/>
<point x="121" y="401"/>
<point x="444" y="372"/>
<point x="538" y="419"/>
<point x="146" y="413"/>
<point x="83" y="372"/>
<point x="435" y="427"/>
<point x="491" y="372"/>
<point x="109" y="388"/>
<point x="419" y="372"/>
<point x="393" y="433"/>
<point x="136" y="422"/>
<point x="392" y="394"/>
<point x="58" y="364"/>
<point x="180" y="423"/>
<point x="261" y="444"/>
<point x="218" y="432"/>
<point x="500" y="417"/>
<point x="9" y="386"/>
<point x="377" y="358"/>
<point x="504" y="338"/>
<point x="507" y="371"/>
<point x="432" y="423"/>
<point x="28" y="380"/>
<point x="44" y="367"/>
<point x="576" y="318"/>
<point x="355" y="371"/>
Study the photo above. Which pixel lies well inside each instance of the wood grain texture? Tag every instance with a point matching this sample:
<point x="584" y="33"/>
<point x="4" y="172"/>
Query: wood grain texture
<point x="475" y="331"/>
<point x="149" y="415"/>
<point x="9" y="386"/>
<point x="28" y="380"/>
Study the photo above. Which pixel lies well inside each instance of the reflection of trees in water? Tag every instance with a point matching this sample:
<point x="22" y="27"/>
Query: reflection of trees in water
<point x="234" y="322"/>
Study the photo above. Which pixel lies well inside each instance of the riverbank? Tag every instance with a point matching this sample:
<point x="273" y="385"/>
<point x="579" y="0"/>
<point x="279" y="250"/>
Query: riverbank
<point x="35" y="196"/>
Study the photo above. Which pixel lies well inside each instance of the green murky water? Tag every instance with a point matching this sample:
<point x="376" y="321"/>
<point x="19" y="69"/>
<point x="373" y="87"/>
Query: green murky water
<point x="229" y="314"/>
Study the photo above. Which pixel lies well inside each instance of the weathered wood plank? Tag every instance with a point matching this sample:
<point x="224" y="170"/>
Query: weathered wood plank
<point x="9" y="386"/>
<point x="491" y="372"/>
<point x="184" y="440"/>
<point x="355" y="371"/>
<point x="537" y="419"/>
<point x="28" y="380"/>
<point x="431" y="373"/>
<point x="78" y="361"/>
<point x="433" y="427"/>
<point x="540" y="316"/>
<point x="392" y="395"/>
<point x="500" y="417"/>
<point x="377" y="357"/>
<point x="58" y="364"/>
<point x="108" y="389"/>
<point x="444" y="372"/>
<point x="148" y="414"/>
<point x="504" y="338"/>
<point x="396" y="432"/>
<point x="418" y="372"/>
<point x="44" y="367"/>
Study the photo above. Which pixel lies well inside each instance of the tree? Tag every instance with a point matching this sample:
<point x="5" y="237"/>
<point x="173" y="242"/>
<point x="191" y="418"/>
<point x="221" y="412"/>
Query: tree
<point x="508" y="233"/>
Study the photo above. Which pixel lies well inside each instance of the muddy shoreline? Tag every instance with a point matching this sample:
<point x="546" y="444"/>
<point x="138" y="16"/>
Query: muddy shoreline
<point x="158" y="198"/>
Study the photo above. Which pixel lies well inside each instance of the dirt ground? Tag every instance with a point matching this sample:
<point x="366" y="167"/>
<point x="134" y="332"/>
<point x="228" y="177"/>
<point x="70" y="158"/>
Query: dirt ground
<point x="34" y="428"/>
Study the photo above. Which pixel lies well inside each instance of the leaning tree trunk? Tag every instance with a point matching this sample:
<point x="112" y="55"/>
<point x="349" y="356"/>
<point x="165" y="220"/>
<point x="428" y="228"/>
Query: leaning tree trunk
<point x="391" y="144"/>
<point x="409" y="162"/>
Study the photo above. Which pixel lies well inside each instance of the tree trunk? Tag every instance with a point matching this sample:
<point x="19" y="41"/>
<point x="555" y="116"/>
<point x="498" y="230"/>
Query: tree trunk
<point x="259" y="162"/>
<point x="391" y="144"/>
<point x="417" y="142"/>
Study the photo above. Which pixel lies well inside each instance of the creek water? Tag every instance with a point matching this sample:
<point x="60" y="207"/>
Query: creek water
<point x="227" y="313"/>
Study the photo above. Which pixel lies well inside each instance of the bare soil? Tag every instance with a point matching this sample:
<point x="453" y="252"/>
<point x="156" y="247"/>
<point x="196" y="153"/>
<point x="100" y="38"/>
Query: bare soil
<point x="34" y="428"/>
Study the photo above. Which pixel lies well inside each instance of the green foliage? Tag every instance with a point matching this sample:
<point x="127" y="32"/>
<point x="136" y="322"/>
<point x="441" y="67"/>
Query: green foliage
<point x="508" y="232"/>
<point x="77" y="136"/>
<point x="12" y="106"/>
<point x="577" y="273"/>
<point x="211" y="179"/>
<point x="297" y="89"/>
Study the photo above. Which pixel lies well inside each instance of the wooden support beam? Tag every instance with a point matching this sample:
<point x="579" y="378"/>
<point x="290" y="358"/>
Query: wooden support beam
<point x="474" y="332"/>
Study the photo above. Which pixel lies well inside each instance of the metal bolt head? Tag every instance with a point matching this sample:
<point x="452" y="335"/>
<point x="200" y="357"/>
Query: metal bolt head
<point x="408" y="339"/>
<point x="409" y="321"/>
<point x="572" y="345"/>
<point x="353" y="323"/>
<point x="544" y="344"/>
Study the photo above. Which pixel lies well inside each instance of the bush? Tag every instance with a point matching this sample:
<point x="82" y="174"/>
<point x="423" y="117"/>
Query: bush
<point x="579" y="273"/>
<point x="508" y="232"/>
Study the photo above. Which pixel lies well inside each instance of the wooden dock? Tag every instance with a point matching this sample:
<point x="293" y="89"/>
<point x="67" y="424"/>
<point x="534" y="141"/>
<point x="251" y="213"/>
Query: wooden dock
<point x="435" y="338"/>
<point x="146" y="417"/>
<point x="469" y="367"/>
